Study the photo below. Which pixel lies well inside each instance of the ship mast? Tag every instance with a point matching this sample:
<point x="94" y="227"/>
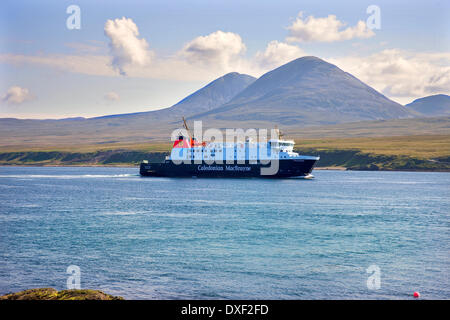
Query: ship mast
<point x="186" y="127"/>
<point x="280" y="134"/>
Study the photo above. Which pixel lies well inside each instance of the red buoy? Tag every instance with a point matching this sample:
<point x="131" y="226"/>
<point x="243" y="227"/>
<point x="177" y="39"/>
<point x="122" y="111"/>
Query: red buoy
<point x="416" y="294"/>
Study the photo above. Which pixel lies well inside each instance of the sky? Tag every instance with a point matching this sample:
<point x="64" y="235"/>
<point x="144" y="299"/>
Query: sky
<point x="110" y="57"/>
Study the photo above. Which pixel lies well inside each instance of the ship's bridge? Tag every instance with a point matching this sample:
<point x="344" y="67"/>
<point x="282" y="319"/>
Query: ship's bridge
<point x="282" y="145"/>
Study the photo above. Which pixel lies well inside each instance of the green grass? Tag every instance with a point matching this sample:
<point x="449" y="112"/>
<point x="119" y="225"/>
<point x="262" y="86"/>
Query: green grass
<point x="421" y="146"/>
<point x="425" y="152"/>
<point x="89" y="148"/>
<point x="420" y="152"/>
<point x="88" y="136"/>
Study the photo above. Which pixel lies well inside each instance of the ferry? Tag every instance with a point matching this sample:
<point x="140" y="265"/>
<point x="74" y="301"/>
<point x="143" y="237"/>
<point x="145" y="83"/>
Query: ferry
<point x="273" y="159"/>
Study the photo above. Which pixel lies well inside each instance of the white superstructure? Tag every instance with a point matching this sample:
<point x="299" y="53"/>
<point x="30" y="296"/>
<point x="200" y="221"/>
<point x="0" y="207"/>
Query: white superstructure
<point x="250" y="151"/>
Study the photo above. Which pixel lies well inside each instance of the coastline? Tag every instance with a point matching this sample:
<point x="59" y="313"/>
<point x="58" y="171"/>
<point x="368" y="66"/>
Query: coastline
<point x="428" y="153"/>
<point x="136" y="166"/>
<point x="131" y="166"/>
<point x="53" y="294"/>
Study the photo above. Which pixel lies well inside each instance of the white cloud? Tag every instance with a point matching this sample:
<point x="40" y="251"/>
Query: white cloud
<point x="112" y="96"/>
<point x="17" y="95"/>
<point x="218" y="49"/>
<point x="401" y="75"/>
<point x="173" y="68"/>
<point x="125" y="46"/>
<point x="89" y="47"/>
<point x="327" y="29"/>
<point x="85" y="64"/>
<point x="202" y="59"/>
<point x="277" y="54"/>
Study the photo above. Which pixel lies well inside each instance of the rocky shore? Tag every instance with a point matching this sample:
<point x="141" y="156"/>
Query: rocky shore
<point x="52" y="294"/>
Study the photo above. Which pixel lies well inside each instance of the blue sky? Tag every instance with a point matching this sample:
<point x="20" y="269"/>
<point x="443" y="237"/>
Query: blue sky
<point x="49" y="71"/>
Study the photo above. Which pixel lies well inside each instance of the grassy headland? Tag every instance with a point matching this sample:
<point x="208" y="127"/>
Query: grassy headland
<point x="424" y="152"/>
<point x="420" y="152"/>
<point x="52" y="294"/>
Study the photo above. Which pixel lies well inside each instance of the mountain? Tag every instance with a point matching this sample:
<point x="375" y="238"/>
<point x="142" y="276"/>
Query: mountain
<point x="303" y="93"/>
<point x="214" y="94"/>
<point x="307" y="91"/>
<point x="431" y="106"/>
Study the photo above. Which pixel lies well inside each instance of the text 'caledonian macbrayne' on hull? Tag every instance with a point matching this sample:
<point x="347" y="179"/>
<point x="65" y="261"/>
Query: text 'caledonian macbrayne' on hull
<point x="272" y="159"/>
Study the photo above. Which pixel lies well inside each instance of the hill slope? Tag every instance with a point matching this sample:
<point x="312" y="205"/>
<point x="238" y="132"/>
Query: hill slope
<point x="431" y="106"/>
<point x="308" y="91"/>
<point x="130" y="127"/>
<point x="212" y="95"/>
<point x="215" y="94"/>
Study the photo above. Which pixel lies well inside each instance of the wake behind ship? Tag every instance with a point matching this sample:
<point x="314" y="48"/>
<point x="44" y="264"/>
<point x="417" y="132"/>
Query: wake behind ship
<point x="273" y="159"/>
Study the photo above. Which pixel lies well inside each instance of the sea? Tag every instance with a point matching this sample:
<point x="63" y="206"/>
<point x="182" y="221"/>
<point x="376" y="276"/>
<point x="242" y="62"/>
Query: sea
<point x="341" y="235"/>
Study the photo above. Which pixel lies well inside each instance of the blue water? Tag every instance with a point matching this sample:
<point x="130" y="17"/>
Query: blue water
<point x="160" y="238"/>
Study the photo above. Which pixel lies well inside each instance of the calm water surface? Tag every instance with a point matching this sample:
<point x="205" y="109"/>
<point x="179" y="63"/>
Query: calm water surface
<point x="161" y="238"/>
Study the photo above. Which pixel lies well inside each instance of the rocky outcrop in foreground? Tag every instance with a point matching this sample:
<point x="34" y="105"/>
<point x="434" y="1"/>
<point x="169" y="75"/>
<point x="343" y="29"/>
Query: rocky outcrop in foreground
<point x="52" y="294"/>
